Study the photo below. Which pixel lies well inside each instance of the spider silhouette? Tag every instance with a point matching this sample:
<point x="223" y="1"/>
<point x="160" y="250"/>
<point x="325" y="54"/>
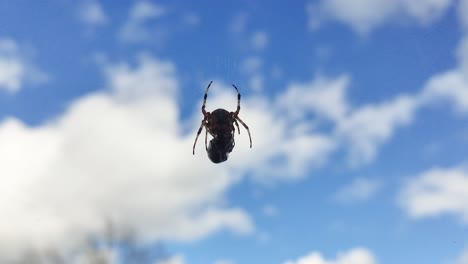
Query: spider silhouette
<point x="220" y="125"/>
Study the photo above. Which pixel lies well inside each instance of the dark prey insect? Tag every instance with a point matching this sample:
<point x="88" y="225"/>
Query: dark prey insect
<point x="220" y="125"/>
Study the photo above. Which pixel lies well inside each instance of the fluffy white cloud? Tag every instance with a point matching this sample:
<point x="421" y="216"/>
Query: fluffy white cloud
<point x="16" y="69"/>
<point x="116" y="155"/>
<point x="435" y="192"/>
<point x="353" y="256"/>
<point x="360" y="189"/>
<point x="135" y="29"/>
<point x="91" y="13"/>
<point x="112" y="155"/>
<point x="366" y="15"/>
<point x="360" y="130"/>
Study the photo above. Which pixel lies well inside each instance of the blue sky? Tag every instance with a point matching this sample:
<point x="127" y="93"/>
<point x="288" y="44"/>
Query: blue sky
<point x="358" y="112"/>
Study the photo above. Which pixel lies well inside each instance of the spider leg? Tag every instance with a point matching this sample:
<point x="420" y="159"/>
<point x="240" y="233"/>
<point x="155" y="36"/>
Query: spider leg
<point x="246" y="127"/>
<point x="204" y="99"/>
<point x="237" y="125"/>
<point x="238" y="100"/>
<point x="198" y="134"/>
<point x="206" y="141"/>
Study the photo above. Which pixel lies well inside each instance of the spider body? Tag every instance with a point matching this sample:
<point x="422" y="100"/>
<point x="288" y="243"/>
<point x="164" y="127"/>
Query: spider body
<point x="220" y="125"/>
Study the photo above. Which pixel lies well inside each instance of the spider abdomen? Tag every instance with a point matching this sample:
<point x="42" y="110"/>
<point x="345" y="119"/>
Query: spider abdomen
<point x="220" y="123"/>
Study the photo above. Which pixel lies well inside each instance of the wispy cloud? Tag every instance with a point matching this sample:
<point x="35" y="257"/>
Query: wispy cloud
<point x="92" y="13"/>
<point x="238" y="24"/>
<point x="191" y="19"/>
<point x="361" y="189"/>
<point x="355" y="255"/>
<point x="259" y="40"/>
<point x="252" y="68"/>
<point x="363" y="16"/>
<point x="270" y="210"/>
<point x="135" y="29"/>
<point x="368" y="127"/>
<point x="16" y="68"/>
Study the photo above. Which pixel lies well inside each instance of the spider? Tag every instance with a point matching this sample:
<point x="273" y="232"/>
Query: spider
<point x="219" y="124"/>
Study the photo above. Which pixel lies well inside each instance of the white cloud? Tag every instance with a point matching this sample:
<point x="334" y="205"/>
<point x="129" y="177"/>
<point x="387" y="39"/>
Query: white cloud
<point x="361" y="130"/>
<point x="425" y="11"/>
<point x="435" y="192"/>
<point x="322" y="95"/>
<point x="366" y="15"/>
<point x="259" y="40"/>
<point x="135" y="29"/>
<point x="361" y="15"/>
<point x="16" y="69"/>
<point x="103" y="159"/>
<point x="114" y="155"/>
<point x="353" y="256"/>
<point x="361" y="189"/>
<point x="284" y="148"/>
<point x="451" y="85"/>
<point x="370" y="126"/>
<point x="91" y="13"/>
